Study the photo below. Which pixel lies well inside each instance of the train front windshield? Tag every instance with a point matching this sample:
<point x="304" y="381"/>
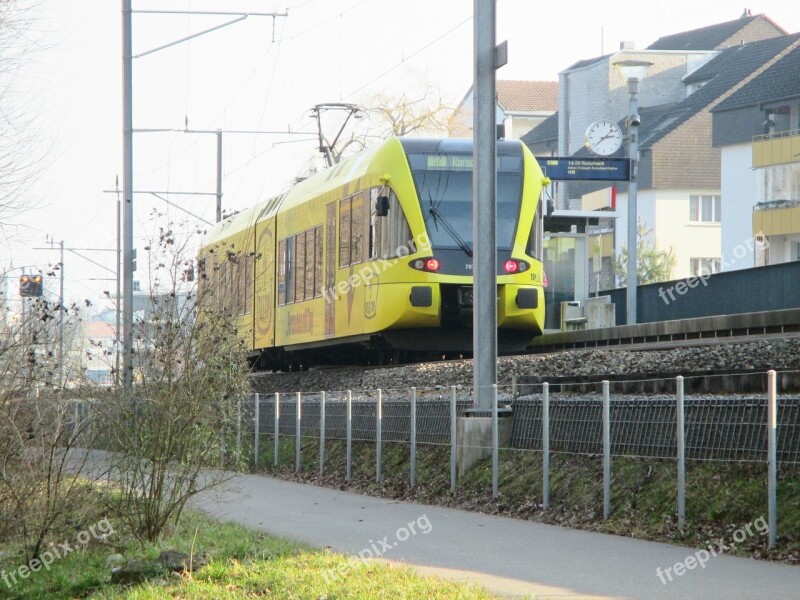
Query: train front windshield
<point x="444" y="187"/>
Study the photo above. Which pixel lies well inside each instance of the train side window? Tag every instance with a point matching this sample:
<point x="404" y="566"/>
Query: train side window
<point x="394" y="233"/>
<point x="318" y="261"/>
<point x="375" y="224"/>
<point x="248" y="284"/>
<point x="309" y="263"/>
<point x="344" y="232"/>
<point x="282" y="272"/>
<point x="223" y="279"/>
<point x="290" y="273"/>
<point x="299" y="267"/>
<point x="357" y="229"/>
<point x="201" y="278"/>
<point x="535" y="240"/>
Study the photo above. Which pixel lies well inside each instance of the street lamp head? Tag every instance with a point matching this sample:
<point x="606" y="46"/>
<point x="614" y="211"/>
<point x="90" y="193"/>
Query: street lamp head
<point x="633" y="69"/>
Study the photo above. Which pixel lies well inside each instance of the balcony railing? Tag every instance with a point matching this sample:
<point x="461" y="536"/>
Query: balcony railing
<point x="776" y="135"/>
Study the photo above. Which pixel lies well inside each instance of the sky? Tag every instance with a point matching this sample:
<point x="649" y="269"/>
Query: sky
<point x="259" y="74"/>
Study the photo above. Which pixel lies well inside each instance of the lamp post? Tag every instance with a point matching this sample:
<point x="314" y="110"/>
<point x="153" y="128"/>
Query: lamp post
<point x="633" y="71"/>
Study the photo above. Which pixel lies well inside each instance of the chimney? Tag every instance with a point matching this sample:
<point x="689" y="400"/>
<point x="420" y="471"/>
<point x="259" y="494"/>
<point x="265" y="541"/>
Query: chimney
<point x="626" y="45"/>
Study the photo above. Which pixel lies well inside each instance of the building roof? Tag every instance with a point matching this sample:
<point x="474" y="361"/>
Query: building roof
<point x="99" y="329"/>
<point x="586" y="63"/>
<point x="778" y="82"/>
<point x="527" y="96"/>
<point x="712" y="37"/>
<point x="730" y="67"/>
<point x="545" y="131"/>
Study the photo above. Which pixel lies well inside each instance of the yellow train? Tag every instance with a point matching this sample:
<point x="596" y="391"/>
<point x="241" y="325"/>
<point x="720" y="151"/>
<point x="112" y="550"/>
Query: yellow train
<point x="371" y="259"/>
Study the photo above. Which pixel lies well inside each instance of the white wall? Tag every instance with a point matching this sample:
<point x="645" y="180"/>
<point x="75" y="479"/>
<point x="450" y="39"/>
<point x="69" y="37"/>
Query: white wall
<point x="666" y="214"/>
<point x="739" y="196"/>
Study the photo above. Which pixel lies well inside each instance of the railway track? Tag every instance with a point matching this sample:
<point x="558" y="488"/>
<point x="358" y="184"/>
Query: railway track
<point x="710" y="357"/>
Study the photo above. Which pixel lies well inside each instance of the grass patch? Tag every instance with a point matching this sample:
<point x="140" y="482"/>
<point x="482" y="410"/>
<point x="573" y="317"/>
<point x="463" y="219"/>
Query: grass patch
<point x="242" y="564"/>
<point x="720" y="497"/>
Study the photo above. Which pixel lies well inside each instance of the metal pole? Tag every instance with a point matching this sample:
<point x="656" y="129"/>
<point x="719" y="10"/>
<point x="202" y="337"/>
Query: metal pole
<point x="545" y="445"/>
<point x="349" y="468"/>
<point x="681" y="442"/>
<point x="119" y="298"/>
<point x="484" y="324"/>
<point x="256" y="427"/>
<point x="633" y="152"/>
<point x="219" y="175"/>
<point x="772" y="459"/>
<point x="127" y="193"/>
<point x="453" y="438"/>
<point x="495" y="446"/>
<point x="321" y="434"/>
<point x="378" y="435"/>
<point x="297" y="428"/>
<point x="277" y="429"/>
<point x="413" y="440"/>
<point x="61" y="321"/>
<point x="606" y="451"/>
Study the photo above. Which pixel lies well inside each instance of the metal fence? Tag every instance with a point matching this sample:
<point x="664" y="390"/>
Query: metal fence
<point x="753" y="428"/>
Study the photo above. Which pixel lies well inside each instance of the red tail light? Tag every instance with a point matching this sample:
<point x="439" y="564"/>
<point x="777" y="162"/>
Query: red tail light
<point x="512" y="266"/>
<point x="432" y="264"/>
<point x="426" y="264"/>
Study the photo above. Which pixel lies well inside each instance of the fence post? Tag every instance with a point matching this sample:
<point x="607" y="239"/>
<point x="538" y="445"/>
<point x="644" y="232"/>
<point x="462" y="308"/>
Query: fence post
<point x="495" y="444"/>
<point x="321" y="433"/>
<point x="413" y="436"/>
<point x="256" y="427"/>
<point x="239" y="427"/>
<point x="681" y="443"/>
<point x="297" y="432"/>
<point x="514" y="388"/>
<point x="378" y="434"/>
<point x="277" y="429"/>
<point x="772" y="464"/>
<point x="606" y="451"/>
<point x="545" y="445"/>
<point x="453" y="441"/>
<point x="349" y="470"/>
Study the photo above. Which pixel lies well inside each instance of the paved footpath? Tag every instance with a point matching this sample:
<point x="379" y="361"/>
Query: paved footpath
<point x="509" y="557"/>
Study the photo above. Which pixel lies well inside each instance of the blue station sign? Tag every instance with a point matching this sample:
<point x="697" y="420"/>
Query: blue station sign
<point x="585" y="168"/>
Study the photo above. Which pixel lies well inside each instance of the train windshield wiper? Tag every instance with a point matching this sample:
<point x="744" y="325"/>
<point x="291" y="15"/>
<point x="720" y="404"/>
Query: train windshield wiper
<point x="437" y="217"/>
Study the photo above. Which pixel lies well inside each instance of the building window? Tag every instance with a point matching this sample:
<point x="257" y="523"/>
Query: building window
<point x="705" y="209"/>
<point x="702" y="267"/>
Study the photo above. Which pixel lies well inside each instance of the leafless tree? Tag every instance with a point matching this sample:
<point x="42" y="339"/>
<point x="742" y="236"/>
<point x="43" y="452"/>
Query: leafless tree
<point x="20" y="151"/>
<point x="417" y="111"/>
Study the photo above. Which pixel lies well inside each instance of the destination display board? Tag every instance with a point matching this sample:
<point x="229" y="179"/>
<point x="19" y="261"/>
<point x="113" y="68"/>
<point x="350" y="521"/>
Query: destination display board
<point x="585" y="168"/>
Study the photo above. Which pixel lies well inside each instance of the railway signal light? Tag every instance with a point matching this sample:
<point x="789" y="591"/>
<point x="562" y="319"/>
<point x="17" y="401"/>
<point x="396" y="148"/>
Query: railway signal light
<point x="30" y="286"/>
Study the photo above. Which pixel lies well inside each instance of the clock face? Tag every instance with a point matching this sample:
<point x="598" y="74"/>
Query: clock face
<point x="603" y="137"/>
